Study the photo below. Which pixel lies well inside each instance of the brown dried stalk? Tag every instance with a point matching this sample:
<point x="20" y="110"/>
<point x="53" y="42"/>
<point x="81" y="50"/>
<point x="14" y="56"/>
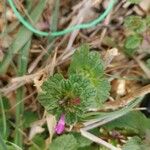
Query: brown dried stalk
<point x="113" y="105"/>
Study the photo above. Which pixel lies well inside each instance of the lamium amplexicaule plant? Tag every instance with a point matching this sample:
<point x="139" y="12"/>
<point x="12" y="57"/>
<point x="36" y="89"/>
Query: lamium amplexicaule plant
<point x="135" y="27"/>
<point x="84" y="88"/>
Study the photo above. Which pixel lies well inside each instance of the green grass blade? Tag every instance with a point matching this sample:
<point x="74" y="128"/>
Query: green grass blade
<point x="55" y="16"/>
<point x="22" y="67"/>
<point x="111" y="115"/>
<point x="2" y="144"/>
<point x="22" y="37"/>
<point x="16" y="147"/>
<point x="3" y="117"/>
<point x="54" y="23"/>
<point x="29" y="5"/>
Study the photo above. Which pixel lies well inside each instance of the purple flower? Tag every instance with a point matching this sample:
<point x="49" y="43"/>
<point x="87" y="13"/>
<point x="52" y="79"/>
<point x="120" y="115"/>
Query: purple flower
<point x="60" y="127"/>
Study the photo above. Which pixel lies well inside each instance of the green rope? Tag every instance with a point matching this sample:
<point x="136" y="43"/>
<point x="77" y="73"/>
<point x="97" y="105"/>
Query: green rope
<point x="65" y="31"/>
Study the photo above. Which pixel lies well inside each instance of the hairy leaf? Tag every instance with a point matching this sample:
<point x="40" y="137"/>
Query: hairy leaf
<point x="72" y="96"/>
<point x="64" y="142"/>
<point x="135" y="143"/>
<point x="82" y="141"/>
<point x="135" y="23"/>
<point x="132" y="43"/>
<point x="85" y="88"/>
<point x="87" y="63"/>
<point x="90" y="66"/>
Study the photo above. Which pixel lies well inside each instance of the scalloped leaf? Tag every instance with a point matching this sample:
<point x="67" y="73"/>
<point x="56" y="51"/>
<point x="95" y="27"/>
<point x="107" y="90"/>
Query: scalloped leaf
<point x="51" y="92"/>
<point x="131" y="44"/>
<point x="135" y="143"/>
<point x="87" y="63"/>
<point x="64" y="142"/>
<point x="90" y="66"/>
<point x="133" y="41"/>
<point x="85" y="88"/>
<point x="135" y="23"/>
<point x="70" y="96"/>
<point x="103" y="88"/>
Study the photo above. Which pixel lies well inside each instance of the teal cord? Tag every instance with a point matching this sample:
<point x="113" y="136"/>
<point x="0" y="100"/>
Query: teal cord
<point x="65" y="31"/>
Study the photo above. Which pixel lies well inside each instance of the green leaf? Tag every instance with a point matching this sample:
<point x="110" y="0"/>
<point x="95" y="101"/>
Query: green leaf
<point x="103" y="88"/>
<point x="51" y="92"/>
<point x="135" y="122"/>
<point x="134" y="1"/>
<point x="93" y="147"/>
<point x="59" y="96"/>
<point x="90" y="66"/>
<point x="85" y="88"/>
<point x="135" y="143"/>
<point x="132" y="43"/>
<point x="29" y="117"/>
<point x="130" y="52"/>
<point x="82" y="141"/>
<point x="39" y="143"/>
<point x="71" y="118"/>
<point x="64" y="142"/>
<point x="87" y="63"/>
<point x="135" y="23"/>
